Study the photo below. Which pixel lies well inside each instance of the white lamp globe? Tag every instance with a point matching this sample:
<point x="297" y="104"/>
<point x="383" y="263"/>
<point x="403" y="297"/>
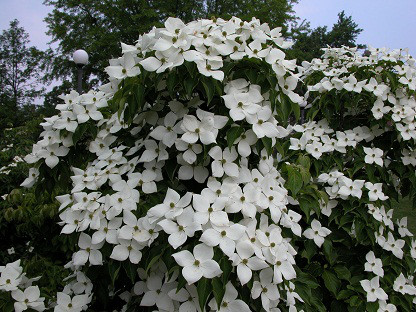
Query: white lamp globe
<point x="80" y="57"/>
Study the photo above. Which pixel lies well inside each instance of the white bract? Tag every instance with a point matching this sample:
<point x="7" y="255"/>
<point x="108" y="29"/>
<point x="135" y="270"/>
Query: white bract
<point x="199" y="264"/>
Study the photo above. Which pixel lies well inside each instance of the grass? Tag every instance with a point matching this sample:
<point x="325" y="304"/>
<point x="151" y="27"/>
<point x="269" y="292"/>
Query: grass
<point x="404" y="208"/>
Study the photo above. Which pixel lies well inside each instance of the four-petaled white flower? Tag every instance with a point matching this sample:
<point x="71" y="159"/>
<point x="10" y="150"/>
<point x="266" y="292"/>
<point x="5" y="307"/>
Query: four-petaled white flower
<point x="317" y="232"/>
<point x="375" y="191"/>
<point x="29" y="298"/>
<point x="229" y="302"/>
<point x="89" y="251"/>
<point x="180" y="230"/>
<point x="224" y="236"/>
<point x="373" y="264"/>
<point x="199" y="264"/>
<point x="373" y="155"/>
<point x="373" y="289"/>
<point x="265" y="288"/>
<point x="246" y="262"/>
<point x="223" y="162"/>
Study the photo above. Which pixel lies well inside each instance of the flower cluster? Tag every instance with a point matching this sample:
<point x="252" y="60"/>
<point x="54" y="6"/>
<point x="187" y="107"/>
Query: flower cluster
<point x="24" y="295"/>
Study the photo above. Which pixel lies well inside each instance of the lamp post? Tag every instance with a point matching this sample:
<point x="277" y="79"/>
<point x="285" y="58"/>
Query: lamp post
<point x="80" y="57"/>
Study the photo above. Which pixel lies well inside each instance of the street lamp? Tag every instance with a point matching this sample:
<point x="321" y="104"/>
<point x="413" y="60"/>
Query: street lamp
<point x="80" y="58"/>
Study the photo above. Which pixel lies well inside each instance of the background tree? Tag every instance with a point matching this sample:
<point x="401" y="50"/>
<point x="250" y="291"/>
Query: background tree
<point x="99" y="26"/>
<point x="309" y="42"/>
<point x="19" y="75"/>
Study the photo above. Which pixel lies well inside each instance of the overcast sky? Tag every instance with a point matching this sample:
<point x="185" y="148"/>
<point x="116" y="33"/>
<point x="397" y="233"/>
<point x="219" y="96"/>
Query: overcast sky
<point x="385" y="22"/>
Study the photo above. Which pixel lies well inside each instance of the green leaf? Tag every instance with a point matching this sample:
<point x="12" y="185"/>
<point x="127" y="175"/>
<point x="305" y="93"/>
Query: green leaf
<point x="181" y="283"/>
<point x="296" y="110"/>
<point x="294" y="180"/>
<point x="226" y="268"/>
<point x="131" y="271"/>
<point x="329" y="252"/>
<point x="79" y="132"/>
<point x="172" y="82"/>
<point x="114" y="269"/>
<point x="233" y="134"/>
<point x="209" y="89"/>
<point x="204" y="289"/>
<point x="344" y="294"/>
<point x="332" y="283"/>
<point x="307" y="279"/>
<point x="189" y="85"/>
<point x="154" y="255"/>
<point x="218" y="288"/>
<point x="267" y="142"/>
<point x="310" y="249"/>
<point x="372" y="306"/>
<point x="140" y="97"/>
<point x="342" y="272"/>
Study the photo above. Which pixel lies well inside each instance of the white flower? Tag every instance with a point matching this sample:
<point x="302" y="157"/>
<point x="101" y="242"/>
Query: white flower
<point x="223" y="162"/>
<point x="199" y="264"/>
<point x="379" y="109"/>
<point x="126" y="67"/>
<point x="350" y="187"/>
<point x="206" y="212"/>
<point x="245" y="141"/>
<point x="107" y="231"/>
<point x="189" y="150"/>
<point x="375" y="191"/>
<point x="403" y="231"/>
<point x="373" y="290"/>
<point x="146" y="180"/>
<point x="30" y="181"/>
<point x="317" y="232"/>
<point x="171" y="207"/>
<point x="224" y="236"/>
<point x="262" y="127"/>
<point x="164" y="59"/>
<point x="51" y="153"/>
<point x="208" y="68"/>
<point x="246" y="262"/>
<point x="265" y="288"/>
<point x="127" y="249"/>
<point x="373" y="155"/>
<point x="154" y="151"/>
<point x="89" y="251"/>
<point x="85" y="112"/>
<point x="30" y="298"/>
<point x="373" y="264"/>
<point x="229" y="302"/>
<point x="180" y="230"/>
<point x="157" y="293"/>
<point x="393" y="245"/>
<point x="402" y="286"/>
<point x="383" y="306"/>
<point x="168" y="132"/>
<point x="191" y="171"/>
<point x="11" y="276"/>
<point x="244" y="104"/>
<point x="67" y="304"/>
<point x="205" y="129"/>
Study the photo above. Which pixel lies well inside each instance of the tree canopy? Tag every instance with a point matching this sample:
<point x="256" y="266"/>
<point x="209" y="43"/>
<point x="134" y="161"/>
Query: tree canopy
<point x="99" y="26"/>
<point x="309" y="42"/>
<point x="19" y="74"/>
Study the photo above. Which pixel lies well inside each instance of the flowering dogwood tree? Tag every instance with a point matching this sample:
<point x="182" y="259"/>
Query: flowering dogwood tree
<point x="193" y="186"/>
